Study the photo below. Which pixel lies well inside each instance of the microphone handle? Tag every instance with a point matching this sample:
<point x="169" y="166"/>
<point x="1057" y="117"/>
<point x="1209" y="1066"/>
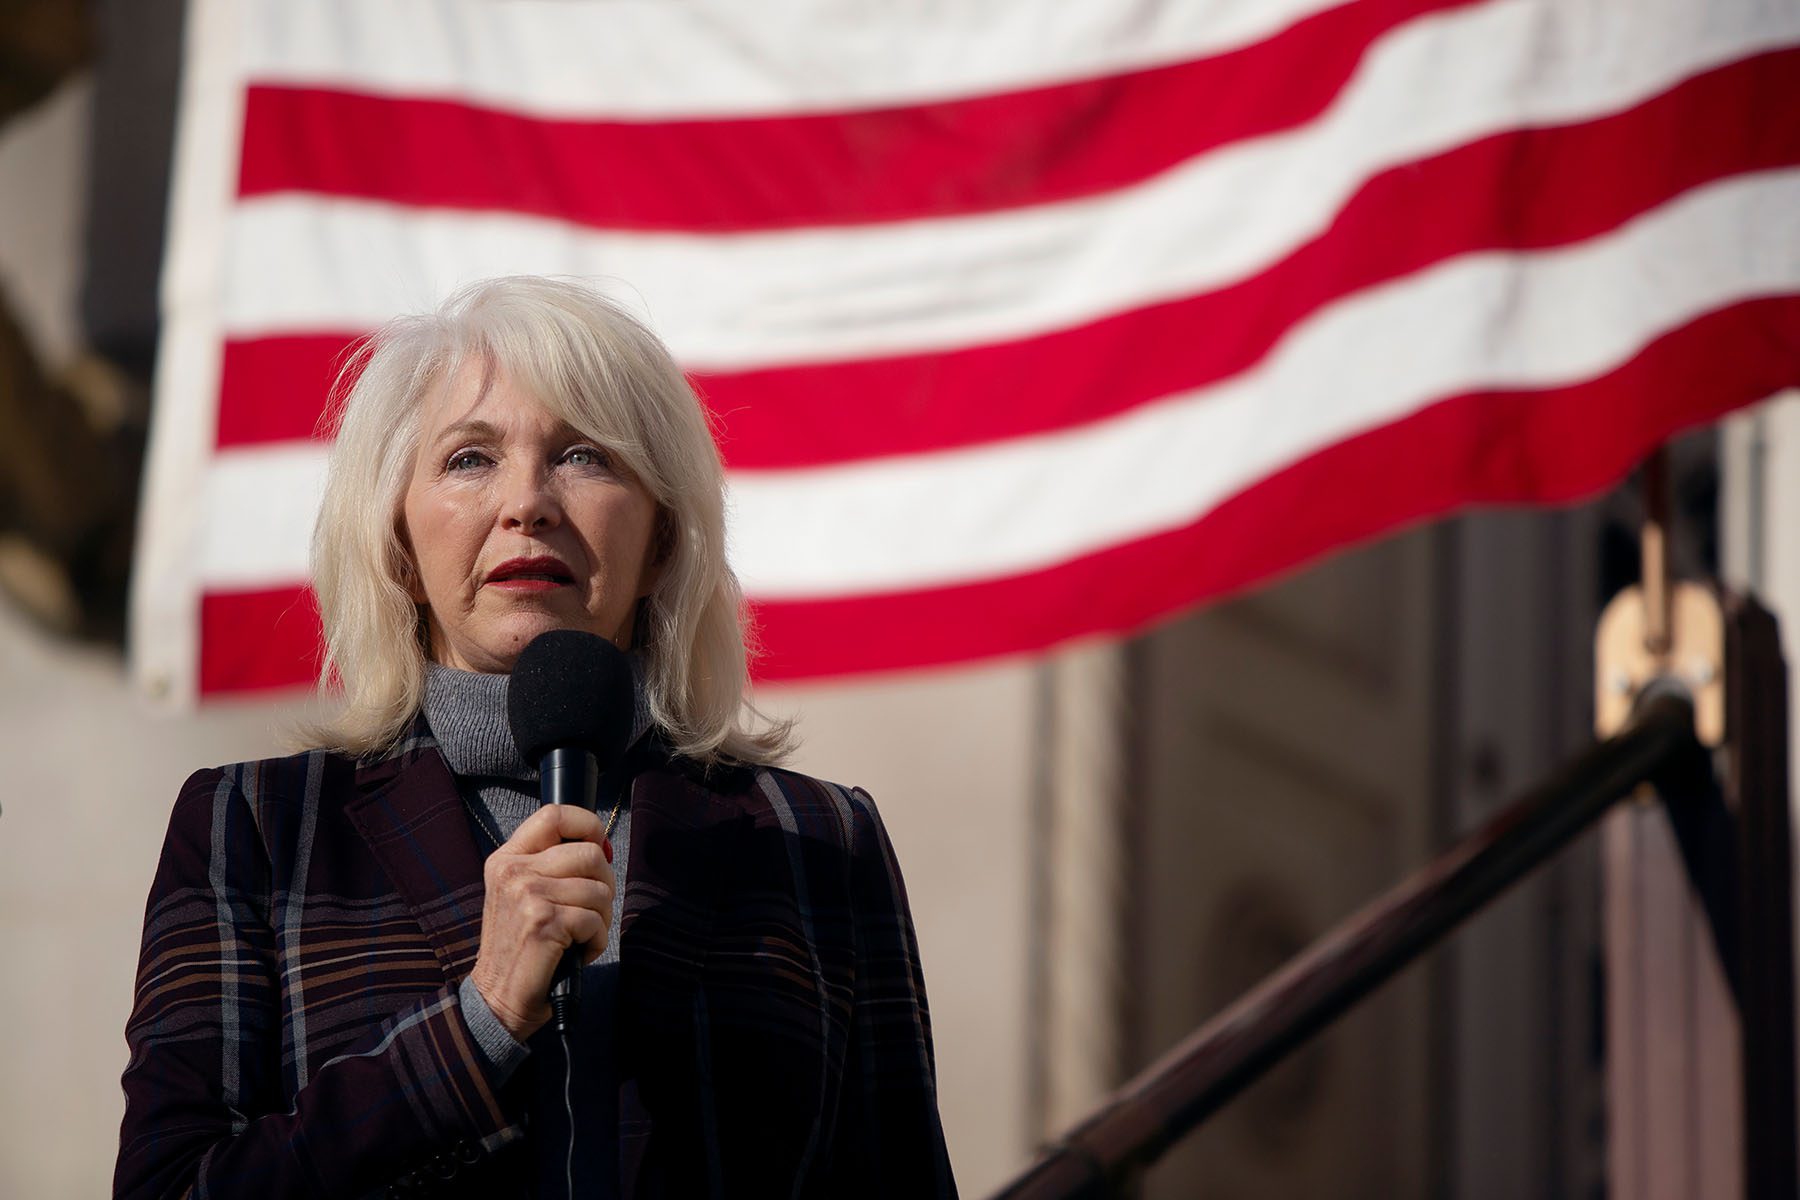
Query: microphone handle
<point x="568" y="775"/>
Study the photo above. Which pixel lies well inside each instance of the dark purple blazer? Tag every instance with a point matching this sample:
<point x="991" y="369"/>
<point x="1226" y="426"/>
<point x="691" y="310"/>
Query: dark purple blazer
<point x="296" y="1030"/>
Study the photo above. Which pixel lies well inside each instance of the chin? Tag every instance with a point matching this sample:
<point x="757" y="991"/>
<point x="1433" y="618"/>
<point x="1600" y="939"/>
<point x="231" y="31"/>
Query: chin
<point x="520" y="632"/>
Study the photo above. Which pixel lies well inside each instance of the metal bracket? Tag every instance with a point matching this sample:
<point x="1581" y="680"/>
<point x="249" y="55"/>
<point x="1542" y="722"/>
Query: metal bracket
<point x="1693" y="652"/>
<point x="1660" y="628"/>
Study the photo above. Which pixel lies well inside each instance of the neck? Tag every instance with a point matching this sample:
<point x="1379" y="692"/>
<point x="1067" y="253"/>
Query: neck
<point x="467" y="712"/>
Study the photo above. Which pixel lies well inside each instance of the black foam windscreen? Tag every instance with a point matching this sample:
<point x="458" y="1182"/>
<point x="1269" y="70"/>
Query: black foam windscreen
<point x="570" y="688"/>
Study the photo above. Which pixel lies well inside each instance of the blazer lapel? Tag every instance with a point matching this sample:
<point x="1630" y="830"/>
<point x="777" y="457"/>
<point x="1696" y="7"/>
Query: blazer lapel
<point x="409" y="812"/>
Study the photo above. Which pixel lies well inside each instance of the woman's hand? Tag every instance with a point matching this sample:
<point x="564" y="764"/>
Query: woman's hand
<point x="549" y="888"/>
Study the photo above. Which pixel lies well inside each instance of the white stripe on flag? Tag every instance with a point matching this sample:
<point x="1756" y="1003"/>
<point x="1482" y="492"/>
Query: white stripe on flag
<point x="741" y="301"/>
<point x="1479" y="322"/>
<point x="654" y="59"/>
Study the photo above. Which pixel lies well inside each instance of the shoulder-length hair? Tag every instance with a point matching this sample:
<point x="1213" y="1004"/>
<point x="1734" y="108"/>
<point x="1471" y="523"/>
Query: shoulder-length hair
<point x="594" y="366"/>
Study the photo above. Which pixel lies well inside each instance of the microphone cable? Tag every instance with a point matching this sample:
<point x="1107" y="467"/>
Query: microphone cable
<point x="570" y="705"/>
<point x="568" y="1108"/>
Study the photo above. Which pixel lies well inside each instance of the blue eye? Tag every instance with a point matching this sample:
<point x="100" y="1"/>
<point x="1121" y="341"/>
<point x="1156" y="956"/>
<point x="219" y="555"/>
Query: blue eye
<point x="586" y="456"/>
<point x="465" y="460"/>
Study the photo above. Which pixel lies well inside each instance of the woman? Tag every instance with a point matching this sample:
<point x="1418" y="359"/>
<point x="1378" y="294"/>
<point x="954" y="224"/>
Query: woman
<point x="346" y="952"/>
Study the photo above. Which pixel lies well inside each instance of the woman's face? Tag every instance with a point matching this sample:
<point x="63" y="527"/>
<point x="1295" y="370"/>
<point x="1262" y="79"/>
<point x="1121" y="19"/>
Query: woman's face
<point x="518" y="525"/>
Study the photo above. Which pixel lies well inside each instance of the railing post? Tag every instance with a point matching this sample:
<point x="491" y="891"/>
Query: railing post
<point x="1672" y="1052"/>
<point x="1757" y="785"/>
<point x="1699" y="927"/>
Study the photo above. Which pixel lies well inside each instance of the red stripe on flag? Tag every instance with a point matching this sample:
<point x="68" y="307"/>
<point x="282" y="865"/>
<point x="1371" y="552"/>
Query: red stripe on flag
<point x="1590" y="178"/>
<point x="254" y="641"/>
<point x="275" y="389"/>
<point x="1485" y="448"/>
<point x="716" y="175"/>
<point x="1491" y="447"/>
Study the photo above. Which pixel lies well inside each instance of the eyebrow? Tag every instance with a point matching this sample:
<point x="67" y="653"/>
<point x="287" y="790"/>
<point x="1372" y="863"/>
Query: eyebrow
<point x="475" y="427"/>
<point x="467" y="428"/>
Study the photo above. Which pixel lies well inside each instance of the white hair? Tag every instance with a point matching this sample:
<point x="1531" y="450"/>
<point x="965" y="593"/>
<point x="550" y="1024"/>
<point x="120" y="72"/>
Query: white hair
<point x="594" y="366"/>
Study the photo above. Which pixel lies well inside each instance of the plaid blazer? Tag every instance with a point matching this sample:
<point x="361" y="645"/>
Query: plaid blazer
<point x="296" y="1030"/>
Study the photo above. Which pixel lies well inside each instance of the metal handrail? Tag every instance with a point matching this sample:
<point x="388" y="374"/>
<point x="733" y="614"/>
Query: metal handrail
<point x="1140" y="1121"/>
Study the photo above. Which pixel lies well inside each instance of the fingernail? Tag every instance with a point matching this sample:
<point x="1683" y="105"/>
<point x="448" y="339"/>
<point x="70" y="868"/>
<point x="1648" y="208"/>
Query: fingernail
<point x="606" y="847"/>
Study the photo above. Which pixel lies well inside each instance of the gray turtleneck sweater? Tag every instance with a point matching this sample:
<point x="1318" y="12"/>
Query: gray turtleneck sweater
<point x="467" y="714"/>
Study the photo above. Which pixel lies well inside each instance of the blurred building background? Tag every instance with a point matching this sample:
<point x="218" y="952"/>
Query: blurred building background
<point x="1103" y="845"/>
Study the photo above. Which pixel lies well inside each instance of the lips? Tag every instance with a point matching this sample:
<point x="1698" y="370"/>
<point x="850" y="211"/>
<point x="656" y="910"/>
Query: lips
<point x="542" y="570"/>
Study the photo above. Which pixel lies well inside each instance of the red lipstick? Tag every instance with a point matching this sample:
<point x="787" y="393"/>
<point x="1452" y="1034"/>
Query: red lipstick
<point x="531" y="574"/>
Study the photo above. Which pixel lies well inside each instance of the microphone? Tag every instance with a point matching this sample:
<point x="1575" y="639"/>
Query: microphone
<point x="570" y="706"/>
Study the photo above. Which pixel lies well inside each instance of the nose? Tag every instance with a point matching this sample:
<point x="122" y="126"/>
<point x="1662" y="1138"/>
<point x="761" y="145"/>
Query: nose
<point x="528" y="504"/>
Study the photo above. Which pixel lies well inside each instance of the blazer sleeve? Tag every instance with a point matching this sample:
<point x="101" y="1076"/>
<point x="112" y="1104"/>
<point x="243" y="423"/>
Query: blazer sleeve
<point x="888" y="1138"/>
<point x="205" y="1109"/>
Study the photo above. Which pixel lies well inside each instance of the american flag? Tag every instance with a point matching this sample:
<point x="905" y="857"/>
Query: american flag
<point x="1021" y="321"/>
